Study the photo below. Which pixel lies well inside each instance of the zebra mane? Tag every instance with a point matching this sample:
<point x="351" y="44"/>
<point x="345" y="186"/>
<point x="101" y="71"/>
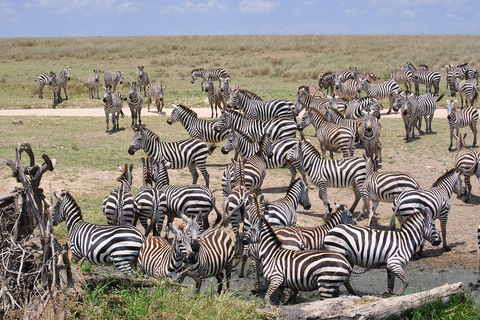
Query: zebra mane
<point x="462" y="65"/>
<point x="305" y="88"/>
<point x="250" y="94"/>
<point x="329" y="216"/>
<point x="338" y="112"/>
<point x="187" y="110"/>
<point x="310" y="147"/>
<point x="318" y="112"/>
<point x="448" y="173"/>
<point x="408" y="218"/>
<point x="244" y="135"/>
<point x="124" y="176"/>
<point x="66" y="194"/>
<point x="199" y="69"/>
<point x="292" y="184"/>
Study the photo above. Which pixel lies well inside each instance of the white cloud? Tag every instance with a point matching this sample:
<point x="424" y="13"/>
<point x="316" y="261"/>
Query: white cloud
<point x="385" y="12"/>
<point x="257" y="6"/>
<point x="408" y="13"/>
<point x="190" y="7"/>
<point x="8" y="13"/>
<point x="355" y="12"/>
<point x="84" y="6"/>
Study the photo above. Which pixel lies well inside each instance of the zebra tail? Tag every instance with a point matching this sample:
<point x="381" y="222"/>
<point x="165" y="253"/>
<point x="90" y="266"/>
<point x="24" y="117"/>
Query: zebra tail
<point x="212" y="147"/>
<point x="355" y="271"/>
<point x="475" y="97"/>
<point x="392" y="220"/>
<point x="440" y="97"/>
<point x="219" y="220"/>
<point x="122" y="114"/>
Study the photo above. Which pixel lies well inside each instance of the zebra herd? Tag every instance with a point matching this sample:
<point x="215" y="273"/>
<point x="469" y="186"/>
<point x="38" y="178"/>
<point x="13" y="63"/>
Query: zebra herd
<point x="263" y="135"/>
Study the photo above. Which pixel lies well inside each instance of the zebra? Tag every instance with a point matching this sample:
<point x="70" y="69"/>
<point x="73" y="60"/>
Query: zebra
<point x="327" y="81"/>
<point x="347" y="90"/>
<point x="356" y="106"/>
<point x="151" y="202"/>
<point x="93" y="83"/>
<point x="468" y="72"/>
<point x="215" y="96"/>
<point x="467" y="163"/>
<point x="215" y="74"/>
<point x="279" y="128"/>
<point x="261" y="110"/>
<point x="369" y="247"/>
<point x="143" y="80"/>
<point x="135" y="102"/>
<point x="190" y="152"/>
<point x="426" y="77"/>
<point x="337" y="117"/>
<point x="461" y="118"/>
<point x="155" y="92"/>
<point x="410" y="110"/>
<point x="452" y="76"/>
<point x="329" y="135"/>
<point x="42" y="80"/>
<point x="298" y="270"/>
<point x="112" y="105"/>
<point x="305" y="99"/>
<point x="467" y="89"/>
<point x="113" y="79"/>
<point x="384" y="186"/>
<point x="214" y="254"/>
<point x="369" y="134"/>
<point x="435" y="200"/>
<point x="57" y="82"/>
<point x="402" y="77"/>
<point x="323" y="173"/>
<point x="279" y="150"/>
<point x="119" y="206"/>
<point x="383" y="90"/>
<point x="197" y="128"/>
<point x="118" y="245"/>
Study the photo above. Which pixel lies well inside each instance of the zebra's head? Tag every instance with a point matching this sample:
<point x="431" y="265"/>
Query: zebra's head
<point x="458" y="188"/>
<point x="230" y="143"/>
<point x="306" y="119"/>
<point x="141" y="72"/>
<point x="107" y="93"/>
<point x="304" y="199"/>
<point x="180" y="244"/>
<point x="234" y="98"/>
<point x="266" y="144"/>
<point x="194" y="74"/>
<point x="96" y="75"/>
<point x="193" y="230"/>
<point x="52" y="78"/>
<point x="430" y="232"/>
<point x="223" y="122"/>
<point x="224" y="84"/>
<point x="346" y="217"/>
<point x="119" y="76"/>
<point x="65" y="205"/>
<point x="175" y="115"/>
<point x="209" y="84"/>
<point x="137" y="142"/>
<point x="132" y="89"/>
<point x="451" y="107"/>
<point x="67" y="73"/>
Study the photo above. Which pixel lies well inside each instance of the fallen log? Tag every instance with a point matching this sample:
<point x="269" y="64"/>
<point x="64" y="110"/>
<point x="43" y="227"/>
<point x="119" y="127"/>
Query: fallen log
<point x="369" y="307"/>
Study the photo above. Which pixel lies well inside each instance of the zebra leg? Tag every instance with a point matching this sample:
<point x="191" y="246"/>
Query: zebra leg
<point x="276" y="281"/>
<point x="107" y="116"/>
<point x="322" y="194"/>
<point x="358" y="195"/>
<point x="372" y="212"/>
<point x="198" y="285"/>
<point x="149" y="100"/>
<point x="219" y="278"/>
<point x="396" y="270"/>
<point x="205" y="174"/>
<point x="193" y="170"/>
<point x="451" y="138"/>
<point x="443" y="225"/>
<point x="65" y="90"/>
<point x="468" y="187"/>
<point x="349" y="287"/>
<point x="473" y="127"/>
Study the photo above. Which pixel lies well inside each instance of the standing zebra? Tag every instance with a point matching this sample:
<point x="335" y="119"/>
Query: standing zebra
<point x="215" y="96"/>
<point x="461" y="118"/>
<point x="57" y="82"/>
<point x="119" y="206"/>
<point x="467" y="89"/>
<point x="113" y="79"/>
<point x="384" y="186"/>
<point x="347" y="90"/>
<point x="426" y="77"/>
<point x="197" y="128"/>
<point x="369" y="134"/>
<point x="143" y="80"/>
<point x="260" y="110"/>
<point x="183" y="153"/>
<point x="410" y="110"/>
<point x="327" y="81"/>
<point x="93" y="83"/>
<point x="467" y="162"/>
<point x="330" y="135"/>
<point x="356" y="106"/>
<point x="468" y="72"/>
<point x="155" y="92"/>
<point x="112" y="105"/>
<point x="298" y="270"/>
<point x="436" y="202"/>
<point x="279" y="128"/>
<point x="383" y="90"/>
<point x="369" y="247"/>
<point x="42" y="80"/>
<point x="337" y="117"/>
<point x="118" y="245"/>
<point x="215" y="74"/>
<point x="135" y="102"/>
<point x="324" y="173"/>
<point x="402" y="77"/>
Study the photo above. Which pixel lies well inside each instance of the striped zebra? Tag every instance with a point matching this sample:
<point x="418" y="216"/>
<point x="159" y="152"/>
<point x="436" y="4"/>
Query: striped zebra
<point x="151" y="202"/>
<point x="113" y="79"/>
<point x="214" y="254"/>
<point x="190" y="152"/>
<point x="305" y="99"/>
<point x="226" y="90"/>
<point x="215" y="74"/>
<point x="112" y="105"/>
<point x="117" y="245"/>
<point x="461" y="118"/>
<point x="402" y="77"/>
<point x="467" y="89"/>
<point x="410" y="111"/>
<point x="350" y="74"/>
<point x="215" y="96"/>
<point x="327" y="81"/>
<point x="349" y="89"/>
<point x="367" y="247"/>
<point x="324" y="173"/>
<point x="279" y="151"/>
<point x="331" y="136"/>
<point x="426" y="77"/>
<point x="260" y="110"/>
<point x="386" y="89"/>
<point x="93" y="82"/>
<point x="187" y="201"/>
<point x="119" y="206"/>
<point x="197" y="128"/>
<point x="468" y="72"/>
<point x="452" y="76"/>
<point x="384" y="186"/>
<point x="467" y="162"/>
<point x="337" y="117"/>
<point x="135" y="102"/>
<point x="279" y="128"/>
<point x="42" y="80"/>
<point x="306" y="270"/>
<point x="436" y="202"/>
<point x="356" y="106"/>
<point x="143" y="80"/>
<point x="155" y="93"/>
<point x="369" y="134"/>
<point x="57" y="82"/>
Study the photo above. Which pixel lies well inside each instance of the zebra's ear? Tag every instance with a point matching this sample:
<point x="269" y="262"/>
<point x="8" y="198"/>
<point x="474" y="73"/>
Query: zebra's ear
<point x="59" y="198"/>
<point x="131" y="167"/>
<point x="119" y="167"/>
<point x="174" y="230"/>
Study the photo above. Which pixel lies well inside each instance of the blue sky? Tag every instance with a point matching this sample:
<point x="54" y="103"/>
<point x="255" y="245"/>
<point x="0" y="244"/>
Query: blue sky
<point x="53" y="18"/>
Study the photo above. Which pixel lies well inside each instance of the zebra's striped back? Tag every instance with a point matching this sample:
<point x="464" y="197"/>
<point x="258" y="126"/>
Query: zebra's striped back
<point x="118" y="245"/>
<point x="42" y="80"/>
<point x="327" y="81"/>
<point x="402" y="77"/>
<point x="347" y="90"/>
<point x="157" y="258"/>
<point x="467" y="89"/>
<point x="386" y="89"/>
<point x="155" y="92"/>
<point x="355" y="107"/>
<point x="260" y="110"/>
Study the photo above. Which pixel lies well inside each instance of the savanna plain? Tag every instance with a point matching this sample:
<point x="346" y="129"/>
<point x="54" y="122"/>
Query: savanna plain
<point x="272" y="67"/>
